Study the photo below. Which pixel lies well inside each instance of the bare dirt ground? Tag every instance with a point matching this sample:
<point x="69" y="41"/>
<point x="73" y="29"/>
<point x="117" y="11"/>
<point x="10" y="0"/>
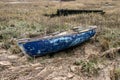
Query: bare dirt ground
<point x="83" y="62"/>
<point x="58" y="67"/>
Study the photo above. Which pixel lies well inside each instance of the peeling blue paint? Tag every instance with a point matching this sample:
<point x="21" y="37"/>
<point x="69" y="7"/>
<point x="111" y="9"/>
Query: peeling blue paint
<point x="41" y="47"/>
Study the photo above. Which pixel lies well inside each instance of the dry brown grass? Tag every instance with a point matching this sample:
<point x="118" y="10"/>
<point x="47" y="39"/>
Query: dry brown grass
<point x="25" y="20"/>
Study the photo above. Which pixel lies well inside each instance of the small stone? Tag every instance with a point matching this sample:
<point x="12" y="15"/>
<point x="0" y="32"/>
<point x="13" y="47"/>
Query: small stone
<point x="5" y="63"/>
<point x="13" y="57"/>
<point x="70" y="75"/>
<point x="59" y="78"/>
<point x="73" y="68"/>
<point x="101" y="66"/>
<point x="36" y="65"/>
<point x="38" y="68"/>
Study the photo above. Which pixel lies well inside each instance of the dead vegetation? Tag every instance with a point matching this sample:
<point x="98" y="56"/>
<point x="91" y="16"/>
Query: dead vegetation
<point x="88" y="68"/>
<point x="115" y="73"/>
<point x="91" y="60"/>
<point x="111" y="53"/>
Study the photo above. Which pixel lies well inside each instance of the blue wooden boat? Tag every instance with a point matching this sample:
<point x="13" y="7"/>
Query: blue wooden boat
<point x="49" y="44"/>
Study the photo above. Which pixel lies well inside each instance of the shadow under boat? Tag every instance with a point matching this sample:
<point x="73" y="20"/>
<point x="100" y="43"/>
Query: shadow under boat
<point x="66" y="12"/>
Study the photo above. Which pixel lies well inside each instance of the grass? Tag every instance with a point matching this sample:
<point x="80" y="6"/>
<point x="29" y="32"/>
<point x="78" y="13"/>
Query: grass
<point x="24" y="22"/>
<point x="88" y="68"/>
<point x="27" y="20"/>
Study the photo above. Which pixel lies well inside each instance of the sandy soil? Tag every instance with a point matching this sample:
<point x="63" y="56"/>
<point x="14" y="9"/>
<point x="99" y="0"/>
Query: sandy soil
<point x="60" y="66"/>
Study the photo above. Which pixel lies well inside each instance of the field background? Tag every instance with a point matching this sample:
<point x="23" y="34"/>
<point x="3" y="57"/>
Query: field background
<point x="96" y="59"/>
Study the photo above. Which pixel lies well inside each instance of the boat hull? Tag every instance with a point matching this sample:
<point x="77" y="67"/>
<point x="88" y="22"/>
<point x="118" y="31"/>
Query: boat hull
<point x="44" y="46"/>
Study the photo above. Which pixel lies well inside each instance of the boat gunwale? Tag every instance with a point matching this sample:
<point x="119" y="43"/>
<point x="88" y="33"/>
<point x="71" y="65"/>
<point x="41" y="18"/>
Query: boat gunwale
<point x="22" y="41"/>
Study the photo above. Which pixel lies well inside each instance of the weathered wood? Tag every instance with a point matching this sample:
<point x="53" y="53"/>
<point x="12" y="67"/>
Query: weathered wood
<point x="66" y="12"/>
